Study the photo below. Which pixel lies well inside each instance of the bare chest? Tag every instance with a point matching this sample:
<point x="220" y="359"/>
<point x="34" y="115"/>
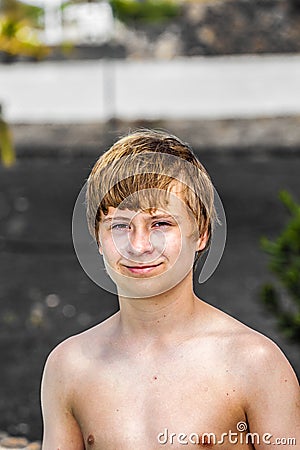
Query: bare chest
<point x="149" y="407"/>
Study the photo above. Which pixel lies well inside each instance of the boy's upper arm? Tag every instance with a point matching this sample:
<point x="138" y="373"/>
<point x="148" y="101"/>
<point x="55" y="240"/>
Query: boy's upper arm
<point x="61" y="430"/>
<point x="274" y="400"/>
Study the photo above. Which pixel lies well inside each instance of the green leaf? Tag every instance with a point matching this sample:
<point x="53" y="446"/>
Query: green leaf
<point x="284" y="262"/>
<point x="7" y="150"/>
<point x="288" y="202"/>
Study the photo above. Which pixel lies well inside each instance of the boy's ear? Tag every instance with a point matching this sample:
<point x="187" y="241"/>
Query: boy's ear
<point x="202" y="241"/>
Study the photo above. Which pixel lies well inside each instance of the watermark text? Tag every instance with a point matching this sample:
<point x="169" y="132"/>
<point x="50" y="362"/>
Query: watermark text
<point x="238" y="436"/>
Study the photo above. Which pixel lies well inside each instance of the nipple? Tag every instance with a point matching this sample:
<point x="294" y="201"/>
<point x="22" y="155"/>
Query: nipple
<point x="90" y="439"/>
<point x="205" y="442"/>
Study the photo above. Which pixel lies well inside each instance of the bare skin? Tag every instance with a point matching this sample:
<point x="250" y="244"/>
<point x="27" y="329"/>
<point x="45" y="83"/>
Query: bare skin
<point x="166" y="362"/>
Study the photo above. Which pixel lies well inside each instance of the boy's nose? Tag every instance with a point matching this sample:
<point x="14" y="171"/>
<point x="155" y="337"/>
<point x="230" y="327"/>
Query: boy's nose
<point x="140" y="242"/>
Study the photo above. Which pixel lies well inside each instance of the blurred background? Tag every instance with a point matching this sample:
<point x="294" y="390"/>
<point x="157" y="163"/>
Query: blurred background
<point x="222" y="75"/>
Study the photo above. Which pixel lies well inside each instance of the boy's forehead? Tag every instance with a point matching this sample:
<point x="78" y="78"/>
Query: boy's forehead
<point x="128" y="214"/>
<point x="174" y="206"/>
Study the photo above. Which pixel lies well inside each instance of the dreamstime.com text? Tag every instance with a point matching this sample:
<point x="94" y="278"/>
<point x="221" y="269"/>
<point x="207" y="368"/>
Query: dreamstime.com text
<point x="240" y="436"/>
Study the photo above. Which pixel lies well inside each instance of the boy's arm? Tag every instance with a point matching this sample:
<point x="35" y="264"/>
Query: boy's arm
<point x="273" y="409"/>
<point x="61" y="430"/>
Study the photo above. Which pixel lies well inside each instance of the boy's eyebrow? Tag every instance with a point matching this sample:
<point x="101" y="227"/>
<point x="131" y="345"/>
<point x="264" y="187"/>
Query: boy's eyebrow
<point x="153" y="217"/>
<point x="109" y="219"/>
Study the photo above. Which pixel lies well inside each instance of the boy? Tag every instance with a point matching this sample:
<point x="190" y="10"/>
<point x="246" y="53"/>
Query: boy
<point x="167" y="369"/>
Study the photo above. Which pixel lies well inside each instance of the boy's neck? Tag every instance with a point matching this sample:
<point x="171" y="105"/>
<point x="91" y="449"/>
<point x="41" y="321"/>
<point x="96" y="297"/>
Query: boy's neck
<point x="158" y="317"/>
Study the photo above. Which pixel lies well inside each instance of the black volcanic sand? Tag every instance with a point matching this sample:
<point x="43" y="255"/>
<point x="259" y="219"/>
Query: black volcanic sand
<point x="45" y="296"/>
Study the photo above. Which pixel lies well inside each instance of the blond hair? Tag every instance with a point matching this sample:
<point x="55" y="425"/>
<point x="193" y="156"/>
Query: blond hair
<point x="138" y="172"/>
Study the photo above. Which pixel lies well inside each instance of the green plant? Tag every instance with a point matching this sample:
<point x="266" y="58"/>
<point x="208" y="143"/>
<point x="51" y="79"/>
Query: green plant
<point x="144" y="11"/>
<point x="20" y="10"/>
<point x="283" y="296"/>
<point x="7" y="150"/>
<point x="18" y="30"/>
<point x="17" y="38"/>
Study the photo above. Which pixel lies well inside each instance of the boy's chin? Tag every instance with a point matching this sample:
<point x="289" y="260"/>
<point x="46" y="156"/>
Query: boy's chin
<point x="149" y="286"/>
<point x="146" y="287"/>
<point x="140" y="292"/>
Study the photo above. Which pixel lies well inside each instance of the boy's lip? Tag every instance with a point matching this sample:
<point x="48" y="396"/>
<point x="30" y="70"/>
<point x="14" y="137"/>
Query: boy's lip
<point x="142" y="268"/>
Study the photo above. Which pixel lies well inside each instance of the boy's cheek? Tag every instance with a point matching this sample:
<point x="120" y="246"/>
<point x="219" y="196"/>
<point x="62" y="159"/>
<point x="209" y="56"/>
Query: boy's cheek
<point x="100" y="243"/>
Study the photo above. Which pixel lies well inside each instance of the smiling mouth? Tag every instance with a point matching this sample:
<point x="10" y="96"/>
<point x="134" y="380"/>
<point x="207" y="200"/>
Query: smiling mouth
<point x="144" y="266"/>
<point x="142" y="269"/>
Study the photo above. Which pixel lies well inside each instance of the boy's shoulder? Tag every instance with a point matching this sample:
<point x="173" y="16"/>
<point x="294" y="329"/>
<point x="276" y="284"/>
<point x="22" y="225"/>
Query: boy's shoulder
<point x="248" y="349"/>
<point x="70" y="354"/>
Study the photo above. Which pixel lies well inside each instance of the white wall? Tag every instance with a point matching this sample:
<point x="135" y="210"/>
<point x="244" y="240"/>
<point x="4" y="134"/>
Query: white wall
<point x="87" y="91"/>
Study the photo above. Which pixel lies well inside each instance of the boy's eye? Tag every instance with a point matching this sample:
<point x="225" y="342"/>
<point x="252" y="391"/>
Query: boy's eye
<point x="119" y="226"/>
<point x="161" y="224"/>
<point x="125" y="226"/>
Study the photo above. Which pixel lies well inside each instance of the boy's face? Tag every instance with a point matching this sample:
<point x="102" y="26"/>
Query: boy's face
<point x="147" y="254"/>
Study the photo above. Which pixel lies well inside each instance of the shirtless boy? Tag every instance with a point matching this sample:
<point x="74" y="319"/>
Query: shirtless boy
<point x="167" y="370"/>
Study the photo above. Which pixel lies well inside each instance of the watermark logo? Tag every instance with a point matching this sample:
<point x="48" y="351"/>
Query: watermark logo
<point x="239" y="436"/>
<point x="241" y="426"/>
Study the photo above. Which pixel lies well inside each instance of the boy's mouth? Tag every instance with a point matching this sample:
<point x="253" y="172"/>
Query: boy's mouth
<point x="142" y="268"/>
